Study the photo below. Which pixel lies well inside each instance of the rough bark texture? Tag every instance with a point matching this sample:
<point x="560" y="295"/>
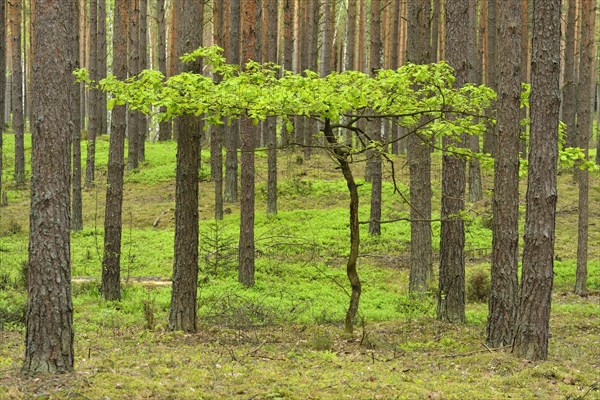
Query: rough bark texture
<point x="504" y="293"/>
<point x="525" y="43"/>
<point x="164" y="127"/>
<point x="17" y="91"/>
<point x="569" y="107"/>
<point x="218" y="131"/>
<point x="182" y="314"/>
<point x="288" y="53"/>
<point x="474" y="175"/>
<point x="395" y="131"/>
<point x="341" y="157"/>
<point x="143" y="64"/>
<point x="585" y="124"/>
<point x="133" y="68"/>
<point x="435" y="29"/>
<point x="351" y="35"/>
<point x="374" y="127"/>
<point x="532" y="329"/>
<point x="102" y="56"/>
<point x="419" y="160"/>
<point x="248" y="132"/>
<point x="49" y="332"/>
<point x="232" y="134"/>
<point x="76" y="124"/>
<point x="111" y="262"/>
<point x="2" y="92"/>
<point x="451" y="298"/>
<point x="93" y="96"/>
<point x="489" y="142"/>
<point x="271" y="126"/>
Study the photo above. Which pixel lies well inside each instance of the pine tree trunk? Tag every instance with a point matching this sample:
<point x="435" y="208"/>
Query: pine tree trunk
<point x="451" y="298"/>
<point x="93" y="96"/>
<point x="17" y="92"/>
<point x="489" y="141"/>
<point x="164" y="127"/>
<point x="504" y="294"/>
<point x="232" y="134"/>
<point x="532" y="328"/>
<point x="2" y="94"/>
<point x="102" y="67"/>
<point x="111" y="262"/>
<point x="218" y="131"/>
<point x="143" y="48"/>
<point x="271" y="126"/>
<point x="133" y="68"/>
<point x="585" y="118"/>
<point x="248" y="132"/>
<point x="49" y="332"/>
<point x="474" y="174"/>
<point x="374" y="126"/>
<point x="419" y="160"/>
<point x="76" y="126"/>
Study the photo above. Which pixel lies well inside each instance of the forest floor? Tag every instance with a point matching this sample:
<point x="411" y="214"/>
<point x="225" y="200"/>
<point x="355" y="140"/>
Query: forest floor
<point x="284" y="338"/>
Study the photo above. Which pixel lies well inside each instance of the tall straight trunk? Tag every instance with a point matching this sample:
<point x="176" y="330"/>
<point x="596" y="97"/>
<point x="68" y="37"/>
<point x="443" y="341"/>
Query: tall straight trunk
<point x="111" y="262"/>
<point x="504" y="294"/>
<point x="569" y="106"/>
<point x="395" y="130"/>
<point x="435" y="29"/>
<point x="374" y="127"/>
<point x="361" y="58"/>
<point x="532" y="328"/>
<point x="248" y="132"/>
<point x="49" y="318"/>
<point x="327" y="52"/>
<point x="93" y="96"/>
<point x="288" y="53"/>
<point x="351" y="36"/>
<point x="585" y="118"/>
<point x="489" y="142"/>
<point x="451" y="298"/>
<point x="598" y="124"/>
<point x="218" y="131"/>
<point x="76" y="125"/>
<point x="230" y="193"/>
<point x="164" y="127"/>
<point x="525" y="43"/>
<point x="102" y="67"/>
<point x="133" y="67"/>
<point x="419" y="160"/>
<point x="2" y="92"/>
<point x="17" y="91"/>
<point x="271" y="126"/>
<point x="142" y="50"/>
<point x="474" y="172"/>
<point x="182" y="314"/>
<point x="83" y="61"/>
<point x="312" y="37"/>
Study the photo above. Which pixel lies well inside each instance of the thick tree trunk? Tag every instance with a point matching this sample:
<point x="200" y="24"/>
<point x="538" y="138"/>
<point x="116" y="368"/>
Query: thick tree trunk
<point x="474" y="177"/>
<point x="218" y="131"/>
<point x="489" y="141"/>
<point x="49" y="333"/>
<point x="93" y="96"/>
<point x="504" y="294"/>
<point x="111" y="262"/>
<point x="435" y="29"/>
<point x="17" y="91"/>
<point x="419" y="160"/>
<point x="525" y="43"/>
<point x="248" y="132"/>
<point x="585" y="118"/>
<point x="182" y="314"/>
<point x="532" y="329"/>
<point x="395" y="128"/>
<point x="164" y="127"/>
<point x="451" y="298"/>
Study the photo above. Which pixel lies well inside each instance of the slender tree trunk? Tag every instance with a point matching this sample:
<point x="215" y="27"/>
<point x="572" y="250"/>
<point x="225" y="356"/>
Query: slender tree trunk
<point x="233" y="130"/>
<point x="569" y="107"/>
<point x="374" y="127"/>
<point x="474" y="174"/>
<point x="2" y="93"/>
<point x="271" y="126"/>
<point x="17" y="92"/>
<point x="525" y="42"/>
<point x="133" y="67"/>
<point x="218" y="131"/>
<point x="248" y="132"/>
<point x="288" y="53"/>
<point x="585" y="118"/>
<point x="451" y="298"/>
<point x="351" y="266"/>
<point x="93" y="96"/>
<point x="504" y="294"/>
<point x="532" y="329"/>
<point x="598" y="124"/>
<point x="49" y="320"/>
<point x="76" y="125"/>
<point x="143" y="49"/>
<point x="489" y="141"/>
<point x="111" y="262"/>
<point x="101" y="65"/>
<point x="164" y="127"/>
<point x="395" y="130"/>
<point x="419" y="160"/>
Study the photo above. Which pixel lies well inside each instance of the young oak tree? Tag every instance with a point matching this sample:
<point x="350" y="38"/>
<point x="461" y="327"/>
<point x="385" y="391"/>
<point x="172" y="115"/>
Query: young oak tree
<point x="256" y="92"/>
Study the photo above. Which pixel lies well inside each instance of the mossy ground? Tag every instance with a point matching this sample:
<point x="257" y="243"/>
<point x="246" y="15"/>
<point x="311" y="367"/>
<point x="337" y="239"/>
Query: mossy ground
<point x="284" y="337"/>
